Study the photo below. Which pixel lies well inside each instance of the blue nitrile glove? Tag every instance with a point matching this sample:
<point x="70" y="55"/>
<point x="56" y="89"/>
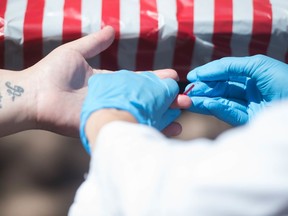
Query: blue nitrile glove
<point x="234" y="89"/>
<point x="144" y="95"/>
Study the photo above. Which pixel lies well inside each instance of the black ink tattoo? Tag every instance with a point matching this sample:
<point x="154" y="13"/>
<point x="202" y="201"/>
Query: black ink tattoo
<point x="14" y="90"/>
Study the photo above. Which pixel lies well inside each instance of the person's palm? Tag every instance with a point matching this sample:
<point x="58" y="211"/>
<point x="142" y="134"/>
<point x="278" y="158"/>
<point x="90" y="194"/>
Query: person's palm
<point x="61" y="80"/>
<point x="62" y="77"/>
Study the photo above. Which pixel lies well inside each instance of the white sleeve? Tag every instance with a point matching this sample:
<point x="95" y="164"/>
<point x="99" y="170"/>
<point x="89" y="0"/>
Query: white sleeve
<point x="136" y="171"/>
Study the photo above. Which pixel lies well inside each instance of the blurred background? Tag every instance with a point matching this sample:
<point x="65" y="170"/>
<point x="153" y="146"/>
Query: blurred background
<point x="41" y="171"/>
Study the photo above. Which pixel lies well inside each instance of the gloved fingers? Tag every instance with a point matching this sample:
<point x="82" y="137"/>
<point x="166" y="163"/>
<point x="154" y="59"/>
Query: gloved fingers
<point x="233" y="103"/>
<point x="228" y="113"/>
<point x="110" y="83"/>
<point x="171" y="87"/>
<point x="197" y="105"/>
<point x="168" y="117"/>
<point x="168" y="82"/>
<point x="92" y="44"/>
<point x="218" y="89"/>
<point x="201" y="105"/>
<point x="228" y="68"/>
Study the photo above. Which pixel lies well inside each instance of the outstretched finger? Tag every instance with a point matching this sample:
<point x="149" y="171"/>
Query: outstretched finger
<point x="101" y="71"/>
<point x="164" y="73"/>
<point x="167" y="73"/>
<point x="181" y="102"/>
<point x="92" y="44"/>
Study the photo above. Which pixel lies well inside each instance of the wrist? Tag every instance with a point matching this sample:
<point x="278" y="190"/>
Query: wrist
<point x="27" y="100"/>
<point x="17" y="102"/>
<point x="100" y="118"/>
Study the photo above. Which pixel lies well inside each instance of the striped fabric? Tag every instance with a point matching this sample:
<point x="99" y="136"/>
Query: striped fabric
<point x="150" y="34"/>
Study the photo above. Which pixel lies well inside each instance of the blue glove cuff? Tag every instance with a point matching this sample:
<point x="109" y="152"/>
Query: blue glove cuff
<point x="86" y="113"/>
<point x="83" y="137"/>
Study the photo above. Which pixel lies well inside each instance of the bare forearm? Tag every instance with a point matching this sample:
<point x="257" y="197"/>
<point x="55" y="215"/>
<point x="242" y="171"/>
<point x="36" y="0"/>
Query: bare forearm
<point x="16" y="102"/>
<point x="102" y="117"/>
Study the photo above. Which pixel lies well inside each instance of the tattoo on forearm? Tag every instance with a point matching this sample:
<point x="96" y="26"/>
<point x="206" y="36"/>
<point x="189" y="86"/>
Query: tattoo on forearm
<point x="0" y="101"/>
<point x="14" y="91"/>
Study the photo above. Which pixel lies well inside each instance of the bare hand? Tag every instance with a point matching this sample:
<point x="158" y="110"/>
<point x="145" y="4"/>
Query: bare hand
<point x="61" y="82"/>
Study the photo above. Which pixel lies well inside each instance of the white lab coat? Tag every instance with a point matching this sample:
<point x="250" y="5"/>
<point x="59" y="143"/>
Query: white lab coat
<point x="136" y="171"/>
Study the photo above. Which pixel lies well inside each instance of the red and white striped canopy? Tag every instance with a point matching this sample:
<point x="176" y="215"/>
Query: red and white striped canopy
<point x="150" y="34"/>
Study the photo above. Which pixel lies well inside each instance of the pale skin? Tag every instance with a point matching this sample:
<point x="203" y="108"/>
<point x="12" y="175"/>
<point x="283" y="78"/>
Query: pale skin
<point x="49" y="95"/>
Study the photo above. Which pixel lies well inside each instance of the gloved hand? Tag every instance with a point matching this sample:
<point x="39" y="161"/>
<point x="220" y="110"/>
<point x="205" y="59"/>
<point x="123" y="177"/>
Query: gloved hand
<point x="144" y="95"/>
<point x="234" y="89"/>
